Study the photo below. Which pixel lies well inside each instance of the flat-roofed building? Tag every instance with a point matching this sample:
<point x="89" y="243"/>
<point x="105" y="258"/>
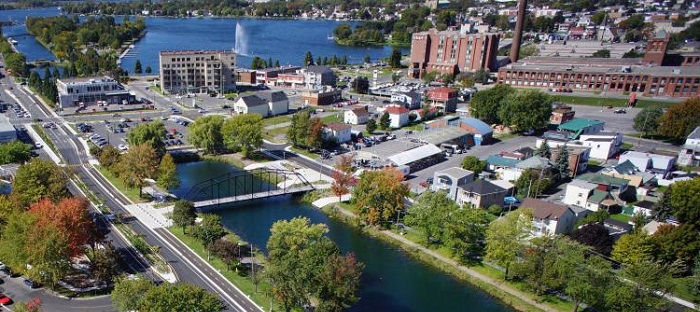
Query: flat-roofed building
<point x="197" y="71"/>
<point x="7" y="130"/>
<point x="88" y="91"/>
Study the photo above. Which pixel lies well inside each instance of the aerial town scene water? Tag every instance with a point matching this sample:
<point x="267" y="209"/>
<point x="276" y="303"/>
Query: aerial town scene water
<point x="445" y="155"/>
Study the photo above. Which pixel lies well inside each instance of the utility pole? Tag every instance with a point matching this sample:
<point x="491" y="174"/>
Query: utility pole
<point x="252" y="257"/>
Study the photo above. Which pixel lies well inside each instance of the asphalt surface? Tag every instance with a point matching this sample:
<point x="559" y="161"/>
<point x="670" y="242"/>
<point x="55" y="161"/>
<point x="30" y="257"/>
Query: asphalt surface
<point x="187" y="266"/>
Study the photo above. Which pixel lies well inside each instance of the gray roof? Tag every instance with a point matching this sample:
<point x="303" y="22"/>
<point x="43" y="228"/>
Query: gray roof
<point x="583" y="184"/>
<point x="320" y="69"/>
<point x="455" y="172"/>
<point x="626" y="167"/>
<point x="253" y="100"/>
<point x="480" y="186"/>
<point x="695" y="134"/>
<point x="415" y="154"/>
<point x="273" y="96"/>
<point x="5" y="125"/>
<point x="534" y="162"/>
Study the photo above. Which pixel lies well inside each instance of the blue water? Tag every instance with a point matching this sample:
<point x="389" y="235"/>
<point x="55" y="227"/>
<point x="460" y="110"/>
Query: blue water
<point x="283" y="40"/>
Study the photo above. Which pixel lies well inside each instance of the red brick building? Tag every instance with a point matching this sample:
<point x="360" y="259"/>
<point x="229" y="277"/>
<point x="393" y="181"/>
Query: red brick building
<point x="444" y="98"/>
<point x="450" y="52"/>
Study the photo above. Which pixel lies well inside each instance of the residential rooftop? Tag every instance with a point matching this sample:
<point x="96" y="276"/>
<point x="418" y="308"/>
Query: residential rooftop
<point x="577" y="124"/>
<point x="602" y="179"/>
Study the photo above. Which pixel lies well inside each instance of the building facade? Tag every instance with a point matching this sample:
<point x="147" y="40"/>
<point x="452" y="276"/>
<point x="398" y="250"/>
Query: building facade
<point x="193" y="71"/>
<point x="88" y="91"/>
<point x="450" y="52"/>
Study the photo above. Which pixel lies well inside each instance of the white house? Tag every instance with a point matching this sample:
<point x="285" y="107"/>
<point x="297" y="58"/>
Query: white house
<point x="661" y="165"/>
<point x="398" y="116"/>
<point x="645" y="207"/>
<point x="549" y="218"/>
<point x="603" y="144"/>
<point x="251" y="104"/>
<point x="584" y="194"/>
<point x="410" y="99"/>
<point x="356" y="116"/>
<point x="340" y="131"/>
<point x="450" y="180"/>
<point x="277" y="102"/>
<point x="689" y="154"/>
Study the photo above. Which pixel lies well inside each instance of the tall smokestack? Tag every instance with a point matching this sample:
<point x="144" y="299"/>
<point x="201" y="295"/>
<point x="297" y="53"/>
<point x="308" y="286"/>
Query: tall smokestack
<point x="517" y="37"/>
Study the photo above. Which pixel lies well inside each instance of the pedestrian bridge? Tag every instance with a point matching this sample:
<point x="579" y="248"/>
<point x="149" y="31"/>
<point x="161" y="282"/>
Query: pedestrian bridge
<point x="240" y="186"/>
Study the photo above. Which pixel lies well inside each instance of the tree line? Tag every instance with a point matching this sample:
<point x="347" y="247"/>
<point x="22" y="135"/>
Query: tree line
<point x="216" y="134"/>
<point x="676" y="122"/>
<point x="47" y="86"/>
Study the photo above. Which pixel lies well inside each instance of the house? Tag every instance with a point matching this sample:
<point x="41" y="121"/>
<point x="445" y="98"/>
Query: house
<point x="654" y="225"/>
<point x="561" y="114"/>
<point x="617" y="228"/>
<point x="8" y="132"/>
<point x="450" y="180"/>
<point x="578" y="126"/>
<point x="587" y="195"/>
<point x="482" y="132"/>
<point x="481" y="194"/>
<point x="398" y="116"/>
<point x="356" y="116"/>
<point x="316" y="77"/>
<point x="578" y="154"/>
<point x="660" y="165"/>
<point x="604" y="145"/>
<point x="277" y="102"/>
<point x="645" y="207"/>
<point x="615" y="186"/>
<point x="627" y="170"/>
<point x="534" y="162"/>
<point x="410" y="99"/>
<point x="689" y="154"/>
<point x="444" y="98"/>
<point x="549" y="218"/>
<point x="499" y="165"/>
<point x="340" y="132"/>
<point x="251" y="104"/>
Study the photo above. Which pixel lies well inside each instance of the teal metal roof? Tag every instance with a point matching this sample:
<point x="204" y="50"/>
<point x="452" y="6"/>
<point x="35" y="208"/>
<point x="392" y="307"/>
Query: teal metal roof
<point x="496" y="160"/>
<point x="578" y="124"/>
<point x="597" y="196"/>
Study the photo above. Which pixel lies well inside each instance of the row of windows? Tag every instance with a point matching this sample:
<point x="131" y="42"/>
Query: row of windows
<point x="608" y="78"/>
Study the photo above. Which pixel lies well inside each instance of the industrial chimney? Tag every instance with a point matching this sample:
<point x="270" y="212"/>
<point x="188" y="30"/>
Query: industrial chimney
<point x="517" y="37"/>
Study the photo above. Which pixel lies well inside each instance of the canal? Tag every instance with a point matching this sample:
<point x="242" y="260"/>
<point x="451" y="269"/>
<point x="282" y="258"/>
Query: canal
<point x="391" y="281"/>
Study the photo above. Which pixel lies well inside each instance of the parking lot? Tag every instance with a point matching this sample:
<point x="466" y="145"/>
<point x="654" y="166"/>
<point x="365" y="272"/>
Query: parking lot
<point x="114" y="131"/>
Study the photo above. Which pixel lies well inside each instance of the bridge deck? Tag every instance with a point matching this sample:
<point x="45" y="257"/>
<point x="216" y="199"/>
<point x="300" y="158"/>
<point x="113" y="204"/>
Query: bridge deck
<point x="258" y="195"/>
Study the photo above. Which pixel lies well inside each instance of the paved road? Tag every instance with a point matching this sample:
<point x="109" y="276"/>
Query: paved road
<point x="188" y="267"/>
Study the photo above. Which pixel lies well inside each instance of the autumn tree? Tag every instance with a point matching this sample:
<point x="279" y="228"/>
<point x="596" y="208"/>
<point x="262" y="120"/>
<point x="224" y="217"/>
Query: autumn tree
<point x="139" y="163"/>
<point x="343" y="178"/>
<point x="339" y="281"/>
<point x="167" y="173"/>
<point x="314" y="137"/>
<point x="109" y="157"/>
<point x="243" y="133"/>
<point x="206" y="133"/>
<point x="680" y="119"/>
<point x="148" y="133"/>
<point x="505" y="237"/>
<point x="105" y="263"/>
<point x="379" y="195"/>
<point x="47" y="253"/>
<point x="184" y="214"/>
<point x="70" y="217"/>
<point x="39" y="179"/>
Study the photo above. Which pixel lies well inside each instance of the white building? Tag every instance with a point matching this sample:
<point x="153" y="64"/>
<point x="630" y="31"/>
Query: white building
<point x="356" y="116"/>
<point x="410" y="99"/>
<point x="88" y="91"/>
<point x="604" y="145"/>
<point x="277" y="102"/>
<point x="7" y="130"/>
<point x="586" y="195"/>
<point x="661" y="165"/>
<point x="339" y="131"/>
<point x="549" y="218"/>
<point x="197" y="71"/>
<point x="398" y="116"/>
<point x="689" y="154"/>
<point x="251" y="104"/>
<point x="450" y="180"/>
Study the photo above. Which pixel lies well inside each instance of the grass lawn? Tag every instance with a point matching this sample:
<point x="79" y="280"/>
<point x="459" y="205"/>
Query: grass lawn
<point x="414" y="127"/>
<point x="130" y="192"/>
<point x="243" y="283"/>
<point x="276" y="120"/>
<point x="40" y="131"/>
<point x="620" y="217"/>
<point x="627" y="146"/>
<point x="598" y="101"/>
<point x="506" y="136"/>
<point x="333" y="118"/>
<point x="271" y="134"/>
<point x="683" y="288"/>
<point x="305" y="153"/>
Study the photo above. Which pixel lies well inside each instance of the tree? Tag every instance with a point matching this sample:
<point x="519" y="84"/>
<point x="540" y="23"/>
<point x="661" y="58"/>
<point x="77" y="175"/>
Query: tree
<point x="686" y="203"/>
<point x="543" y="151"/>
<point x="339" y="281"/>
<point x="128" y="293"/>
<point x="15" y="238"/>
<point x="633" y="248"/>
<point x="596" y="236"/>
<point x="109" y="157"/>
<point x="430" y="213"/>
<point x="210" y="229"/>
<point x="465" y="232"/>
<point x="647" y="121"/>
<point x="243" y="133"/>
<point x="366" y="59"/>
<point x="379" y="195"/>
<point x="395" y="58"/>
<point x="206" y="133"/>
<point x="105" y="263"/>
<point x="149" y="70"/>
<point x="314" y="137"/>
<point x="561" y="164"/>
<point x="227" y="250"/>
<point x="15" y="152"/>
<point x="526" y="110"/>
<point x="599" y="17"/>
<point x="299" y="127"/>
<point x="474" y="164"/>
<point x="533" y="182"/>
<point x="47" y="252"/>
<point x="361" y="85"/>
<point x="70" y="217"/>
<point x="385" y="121"/>
<point x="485" y="104"/>
<point x="179" y="297"/>
<point x="371" y="125"/>
<point x="589" y="282"/>
<point x="308" y="59"/>
<point x="167" y="173"/>
<point x="39" y="179"/>
<point x="680" y="119"/>
<point x="137" y="67"/>
<point x="149" y="133"/>
<point x="602" y="53"/>
<point x="184" y="214"/>
<point x="482" y="75"/>
<point x="139" y="163"/>
<point x="343" y="177"/>
<point x="505" y="237"/>
<point x="663" y="209"/>
<point x="641" y="287"/>
<point x="676" y="245"/>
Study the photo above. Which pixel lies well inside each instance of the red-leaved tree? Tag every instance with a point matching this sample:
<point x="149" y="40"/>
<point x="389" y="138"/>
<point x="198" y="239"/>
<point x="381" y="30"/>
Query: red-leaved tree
<point x="70" y="217"/>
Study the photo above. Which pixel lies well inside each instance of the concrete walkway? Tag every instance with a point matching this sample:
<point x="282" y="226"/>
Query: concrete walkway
<point x="320" y="203"/>
<point x="151" y="217"/>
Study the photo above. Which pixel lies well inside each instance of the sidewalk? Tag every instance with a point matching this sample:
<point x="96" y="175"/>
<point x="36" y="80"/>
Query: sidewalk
<point x="320" y="203"/>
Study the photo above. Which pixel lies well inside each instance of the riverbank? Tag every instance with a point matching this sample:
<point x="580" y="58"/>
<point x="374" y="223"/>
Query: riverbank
<point x="492" y="285"/>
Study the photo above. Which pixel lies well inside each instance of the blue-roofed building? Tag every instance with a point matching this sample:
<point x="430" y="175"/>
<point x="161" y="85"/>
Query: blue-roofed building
<point x="578" y="126"/>
<point x="482" y="132"/>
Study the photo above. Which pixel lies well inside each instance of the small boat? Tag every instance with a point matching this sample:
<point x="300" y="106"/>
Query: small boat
<point x="12" y="41"/>
<point x="330" y="37"/>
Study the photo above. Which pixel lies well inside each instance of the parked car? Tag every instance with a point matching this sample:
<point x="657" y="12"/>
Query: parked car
<point x="620" y="111"/>
<point x="31" y="284"/>
<point x="5" y="300"/>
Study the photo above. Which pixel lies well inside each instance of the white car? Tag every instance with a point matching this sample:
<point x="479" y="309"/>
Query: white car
<point x="38" y="145"/>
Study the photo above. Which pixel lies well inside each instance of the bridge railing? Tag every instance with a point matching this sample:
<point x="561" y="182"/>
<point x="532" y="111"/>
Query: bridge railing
<point x="238" y="183"/>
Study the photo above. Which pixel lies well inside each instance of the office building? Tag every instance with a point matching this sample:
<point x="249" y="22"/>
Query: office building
<point x="191" y="71"/>
<point x="83" y="92"/>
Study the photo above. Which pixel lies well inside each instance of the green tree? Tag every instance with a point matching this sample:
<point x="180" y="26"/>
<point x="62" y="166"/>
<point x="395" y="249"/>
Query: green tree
<point x="485" y="104"/>
<point x="179" y="297"/>
<point x="647" y="121"/>
<point x="371" y="125"/>
<point x="676" y="245"/>
<point x="589" y="282"/>
<point x="15" y="152"/>
<point x="206" y="133"/>
<point x="482" y="75"/>
<point x="395" y="58"/>
<point x="599" y="17"/>
<point x="15" y="239"/>
<point x="128" y="293"/>
<point x="474" y="164"/>
<point x="641" y="287"/>
<point x="105" y="262"/>
<point x="138" y="164"/>
<point x="308" y="59"/>
<point x="562" y="163"/>
<point x="505" y="237"/>
<point x="663" y="209"/>
<point x="544" y="151"/>
<point x="298" y="129"/>
<point x="149" y="133"/>
<point x="686" y="202"/>
<point x="184" y="214"/>
<point x="366" y="59"/>
<point x="633" y="248"/>
<point x="680" y="119"/>
<point x="243" y="133"/>
<point x="210" y="229"/>
<point x="339" y="281"/>
<point x="361" y="85"/>
<point x="167" y="173"/>
<point x="109" y="157"/>
<point x="385" y="121"/>
<point x="39" y="179"/>
<point x="137" y="67"/>
<point x="47" y="252"/>
<point x="379" y="195"/>
<point x="465" y="232"/>
<point x="533" y="182"/>
<point x="526" y="110"/>
<point x="16" y="64"/>
<point x="602" y="53"/>
<point x="430" y="213"/>
<point x="149" y="70"/>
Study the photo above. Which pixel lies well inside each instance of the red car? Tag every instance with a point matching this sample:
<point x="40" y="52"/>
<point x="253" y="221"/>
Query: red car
<point x="5" y="300"/>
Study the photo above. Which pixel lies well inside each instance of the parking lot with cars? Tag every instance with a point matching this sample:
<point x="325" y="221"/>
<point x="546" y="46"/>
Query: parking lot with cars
<point x="114" y="131"/>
